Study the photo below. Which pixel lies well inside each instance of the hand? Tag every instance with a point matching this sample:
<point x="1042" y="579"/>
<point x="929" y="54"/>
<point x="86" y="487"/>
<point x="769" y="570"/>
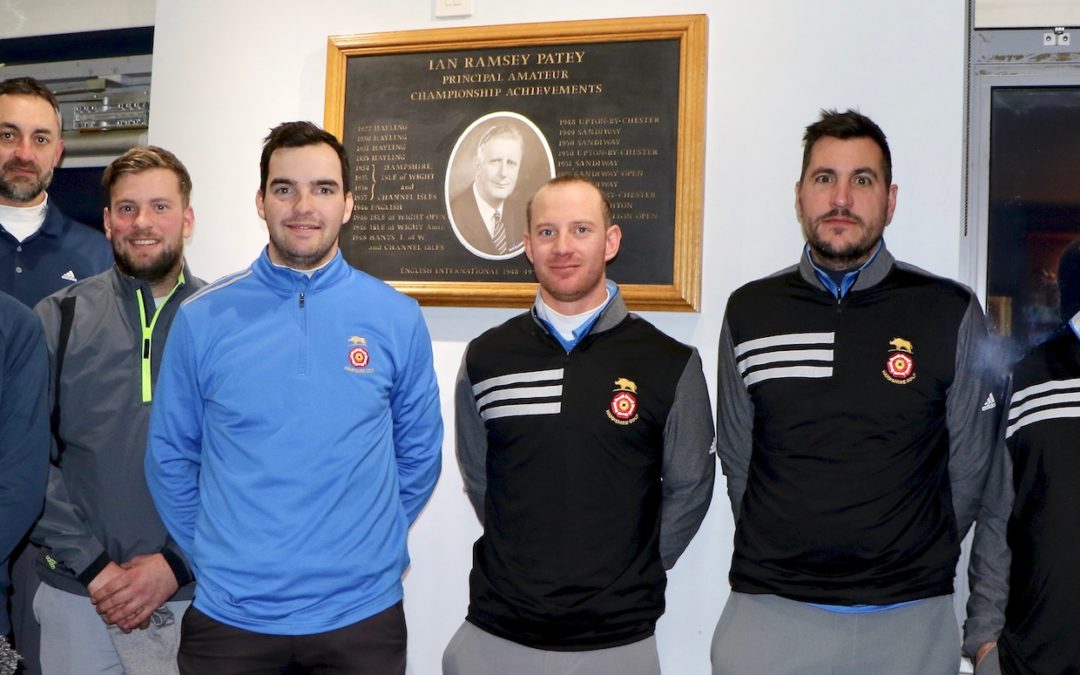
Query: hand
<point x="984" y="649"/>
<point x="129" y="598"/>
<point x="111" y="571"/>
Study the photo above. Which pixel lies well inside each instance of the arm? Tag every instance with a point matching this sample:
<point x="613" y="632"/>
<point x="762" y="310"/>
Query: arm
<point x="63" y="528"/>
<point x="418" y="431"/>
<point x="734" y="422"/>
<point x="689" y="466"/>
<point x="174" y="446"/>
<point x="471" y="440"/>
<point x="971" y="429"/>
<point x="988" y="569"/>
<point x="24" y="431"/>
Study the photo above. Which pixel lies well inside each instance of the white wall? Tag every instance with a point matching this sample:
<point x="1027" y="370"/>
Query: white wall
<point x="24" y="18"/>
<point x="224" y="73"/>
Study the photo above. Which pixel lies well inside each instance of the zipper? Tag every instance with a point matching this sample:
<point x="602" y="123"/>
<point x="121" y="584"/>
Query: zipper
<point x="303" y="334"/>
<point x="147" y="325"/>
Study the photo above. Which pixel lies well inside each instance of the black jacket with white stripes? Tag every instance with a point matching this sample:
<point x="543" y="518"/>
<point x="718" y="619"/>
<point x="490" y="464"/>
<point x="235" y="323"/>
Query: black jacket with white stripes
<point x="854" y="432"/>
<point x="1026" y="549"/>
<point x="590" y="471"/>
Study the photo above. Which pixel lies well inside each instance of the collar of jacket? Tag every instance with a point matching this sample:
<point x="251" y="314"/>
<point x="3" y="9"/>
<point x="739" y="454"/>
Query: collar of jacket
<point x="287" y="281"/>
<point x="610" y="316"/>
<point x="126" y="286"/>
<point x="870" y="276"/>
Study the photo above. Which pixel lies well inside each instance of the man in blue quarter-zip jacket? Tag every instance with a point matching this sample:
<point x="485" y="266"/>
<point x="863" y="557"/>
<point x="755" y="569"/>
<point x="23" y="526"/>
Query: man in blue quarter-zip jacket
<point x="115" y="583"/>
<point x="855" y="417"/>
<point x="296" y="438"/>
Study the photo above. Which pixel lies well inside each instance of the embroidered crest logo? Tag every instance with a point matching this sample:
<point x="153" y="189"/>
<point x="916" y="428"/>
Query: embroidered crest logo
<point x="358" y="356"/>
<point x="623" y="407"/>
<point x="900" y="364"/>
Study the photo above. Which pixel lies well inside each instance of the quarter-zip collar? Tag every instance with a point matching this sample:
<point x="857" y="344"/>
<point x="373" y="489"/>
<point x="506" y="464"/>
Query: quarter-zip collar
<point x="137" y="291"/>
<point x="870" y="274"/>
<point x="609" y="316"/>
<point x="287" y="282"/>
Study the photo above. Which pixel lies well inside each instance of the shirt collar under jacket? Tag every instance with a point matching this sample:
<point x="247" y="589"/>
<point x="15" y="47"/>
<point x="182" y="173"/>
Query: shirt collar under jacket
<point x="849" y="279"/>
<point x="1074" y="323"/>
<point x="870" y="274"/>
<point x="288" y="281"/>
<point x="609" y="314"/>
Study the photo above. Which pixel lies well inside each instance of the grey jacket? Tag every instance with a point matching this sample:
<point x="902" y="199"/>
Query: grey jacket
<point x="97" y="507"/>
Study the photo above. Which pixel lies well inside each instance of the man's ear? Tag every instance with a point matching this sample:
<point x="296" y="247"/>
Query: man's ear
<point x="107" y="220"/>
<point x="613" y="237"/>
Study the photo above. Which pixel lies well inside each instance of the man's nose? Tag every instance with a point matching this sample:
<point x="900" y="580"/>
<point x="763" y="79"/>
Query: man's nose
<point x="24" y="150"/>
<point x="841" y="196"/>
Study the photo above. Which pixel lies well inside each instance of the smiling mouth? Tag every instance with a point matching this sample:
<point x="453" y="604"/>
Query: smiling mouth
<point x="143" y="242"/>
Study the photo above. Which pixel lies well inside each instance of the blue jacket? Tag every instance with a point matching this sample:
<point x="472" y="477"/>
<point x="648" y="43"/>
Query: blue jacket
<point x="62" y="252"/>
<point x="295" y="437"/>
<point x="24" y="430"/>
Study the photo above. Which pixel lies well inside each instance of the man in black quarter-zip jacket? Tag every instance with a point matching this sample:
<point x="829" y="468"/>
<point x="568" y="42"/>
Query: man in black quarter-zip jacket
<point x="114" y="583"/>
<point x="584" y="438"/>
<point x="854" y="424"/>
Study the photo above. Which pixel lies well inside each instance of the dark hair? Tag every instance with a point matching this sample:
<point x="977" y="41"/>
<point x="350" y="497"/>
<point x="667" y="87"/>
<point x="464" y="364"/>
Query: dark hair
<point x="143" y="158"/>
<point x="28" y="86"/>
<point x="566" y="179"/>
<point x="846" y="125"/>
<point x="1069" y="280"/>
<point x="299" y="135"/>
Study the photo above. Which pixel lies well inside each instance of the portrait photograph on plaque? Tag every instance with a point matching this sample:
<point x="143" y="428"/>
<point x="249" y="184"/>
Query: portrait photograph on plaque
<point x="450" y="132"/>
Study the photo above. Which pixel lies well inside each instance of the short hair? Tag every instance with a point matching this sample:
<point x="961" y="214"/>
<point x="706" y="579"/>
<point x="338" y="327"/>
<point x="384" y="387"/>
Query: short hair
<point x="499" y="131"/>
<point x="844" y="126"/>
<point x="566" y="179"/>
<point x="1069" y="280"/>
<point x="143" y="158"/>
<point x="299" y="135"/>
<point x="28" y="86"/>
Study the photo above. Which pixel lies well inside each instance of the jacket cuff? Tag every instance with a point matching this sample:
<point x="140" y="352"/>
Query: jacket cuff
<point x="94" y="569"/>
<point x="179" y="567"/>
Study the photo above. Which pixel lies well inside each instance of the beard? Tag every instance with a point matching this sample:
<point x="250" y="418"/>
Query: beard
<point x="849" y="254"/>
<point x="151" y="271"/>
<point x="23" y="190"/>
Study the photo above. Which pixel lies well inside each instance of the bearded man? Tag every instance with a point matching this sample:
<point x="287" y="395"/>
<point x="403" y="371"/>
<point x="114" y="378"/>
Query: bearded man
<point x="115" y="584"/>
<point x="855" y="419"/>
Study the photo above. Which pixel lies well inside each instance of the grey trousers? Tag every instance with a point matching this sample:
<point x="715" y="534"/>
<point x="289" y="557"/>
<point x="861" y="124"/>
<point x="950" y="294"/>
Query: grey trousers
<point x="768" y="634"/>
<point x="75" y="641"/>
<point x="473" y="651"/>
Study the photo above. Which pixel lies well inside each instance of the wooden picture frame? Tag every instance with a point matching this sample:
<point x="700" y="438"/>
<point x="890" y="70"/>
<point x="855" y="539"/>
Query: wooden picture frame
<point x="620" y="100"/>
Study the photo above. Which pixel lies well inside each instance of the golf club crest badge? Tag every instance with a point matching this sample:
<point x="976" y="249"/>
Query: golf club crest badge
<point x="622" y="409"/>
<point x="900" y="364"/>
<point x="359" y="358"/>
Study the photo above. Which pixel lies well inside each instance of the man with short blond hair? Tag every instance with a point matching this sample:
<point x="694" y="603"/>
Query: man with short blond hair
<point x="114" y="583"/>
<point x="584" y="438"/>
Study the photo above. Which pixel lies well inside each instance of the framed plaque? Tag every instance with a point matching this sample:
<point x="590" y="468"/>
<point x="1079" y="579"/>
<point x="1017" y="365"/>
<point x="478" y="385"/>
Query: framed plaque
<point x="448" y="128"/>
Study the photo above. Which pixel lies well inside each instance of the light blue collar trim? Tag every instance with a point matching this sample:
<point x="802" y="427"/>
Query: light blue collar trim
<point x="849" y="279"/>
<point x="1074" y="323"/>
<point x="586" y="326"/>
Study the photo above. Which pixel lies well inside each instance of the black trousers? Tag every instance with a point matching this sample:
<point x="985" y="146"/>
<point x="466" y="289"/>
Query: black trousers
<point x="373" y="646"/>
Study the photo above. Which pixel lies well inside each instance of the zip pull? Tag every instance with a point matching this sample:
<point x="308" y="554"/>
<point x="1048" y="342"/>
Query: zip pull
<point x="301" y="299"/>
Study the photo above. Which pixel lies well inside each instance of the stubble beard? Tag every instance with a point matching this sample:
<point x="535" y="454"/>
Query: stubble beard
<point x="21" y="190"/>
<point x="841" y="257"/>
<point x="152" y="272"/>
